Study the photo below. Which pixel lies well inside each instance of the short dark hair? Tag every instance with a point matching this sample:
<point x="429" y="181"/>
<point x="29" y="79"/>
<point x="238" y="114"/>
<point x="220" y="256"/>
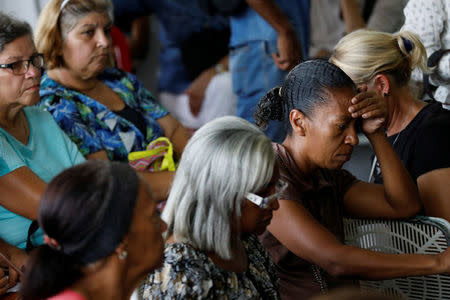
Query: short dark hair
<point x="11" y="29"/>
<point x="304" y="89"/>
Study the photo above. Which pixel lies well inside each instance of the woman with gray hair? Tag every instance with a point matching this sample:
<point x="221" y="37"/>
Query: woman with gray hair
<point x="107" y="112"/>
<point x="224" y="192"/>
<point x="33" y="149"/>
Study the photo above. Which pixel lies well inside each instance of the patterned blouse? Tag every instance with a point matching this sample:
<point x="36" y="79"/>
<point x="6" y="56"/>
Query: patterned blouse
<point x="190" y="274"/>
<point x="92" y="126"/>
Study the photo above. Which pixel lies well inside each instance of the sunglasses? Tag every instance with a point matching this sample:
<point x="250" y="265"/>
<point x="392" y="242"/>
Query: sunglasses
<point x="265" y="202"/>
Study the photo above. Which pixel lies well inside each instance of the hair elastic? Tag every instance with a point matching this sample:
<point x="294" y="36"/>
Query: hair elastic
<point x="408" y="44"/>
<point x="63" y="4"/>
<point x="52" y="243"/>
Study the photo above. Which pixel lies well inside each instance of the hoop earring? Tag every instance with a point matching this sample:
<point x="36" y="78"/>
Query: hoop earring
<point x="122" y="255"/>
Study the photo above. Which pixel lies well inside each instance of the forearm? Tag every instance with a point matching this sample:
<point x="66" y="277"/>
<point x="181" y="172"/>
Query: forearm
<point x="270" y="12"/>
<point x="159" y="182"/>
<point x="357" y="262"/>
<point x="179" y="138"/>
<point x="434" y="190"/>
<point x="12" y="253"/>
<point x="352" y="16"/>
<point x="21" y="191"/>
<point x="399" y="189"/>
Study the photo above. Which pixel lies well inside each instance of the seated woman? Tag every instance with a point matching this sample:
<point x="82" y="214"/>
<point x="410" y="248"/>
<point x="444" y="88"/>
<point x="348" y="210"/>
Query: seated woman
<point x="417" y="131"/>
<point x="224" y="192"/>
<point x="103" y="234"/>
<point x="33" y="148"/>
<point x="319" y="104"/>
<point x="106" y="112"/>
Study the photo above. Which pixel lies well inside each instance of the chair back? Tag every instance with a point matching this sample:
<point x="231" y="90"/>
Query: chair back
<point x="421" y="235"/>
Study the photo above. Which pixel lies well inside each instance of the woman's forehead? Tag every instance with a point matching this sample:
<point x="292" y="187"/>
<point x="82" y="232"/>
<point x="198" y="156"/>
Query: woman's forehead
<point x="93" y="19"/>
<point x="337" y="103"/>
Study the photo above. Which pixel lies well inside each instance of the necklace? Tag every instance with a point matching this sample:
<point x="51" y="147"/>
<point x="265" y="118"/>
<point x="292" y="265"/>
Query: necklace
<point x="405" y="124"/>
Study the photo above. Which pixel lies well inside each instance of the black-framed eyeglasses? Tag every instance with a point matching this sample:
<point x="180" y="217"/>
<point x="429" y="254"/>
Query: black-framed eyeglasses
<point x="20" y="67"/>
<point x="265" y="202"/>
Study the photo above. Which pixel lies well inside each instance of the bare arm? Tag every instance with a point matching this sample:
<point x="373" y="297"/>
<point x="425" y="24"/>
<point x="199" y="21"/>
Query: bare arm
<point x="197" y="88"/>
<point x="138" y="40"/>
<point x="305" y="236"/>
<point x="175" y="132"/>
<point x="434" y="189"/>
<point x="352" y="16"/>
<point x="16" y="256"/>
<point x="398" y="197"/>
<point x="288" y="45"/>
<point x="21" y="190"/>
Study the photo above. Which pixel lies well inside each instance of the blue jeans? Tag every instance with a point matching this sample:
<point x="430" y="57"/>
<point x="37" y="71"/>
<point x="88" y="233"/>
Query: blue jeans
<point x="253" y="74"/>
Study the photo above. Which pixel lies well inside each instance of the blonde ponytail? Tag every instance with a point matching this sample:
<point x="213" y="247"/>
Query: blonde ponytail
<point x="365" y="53"/>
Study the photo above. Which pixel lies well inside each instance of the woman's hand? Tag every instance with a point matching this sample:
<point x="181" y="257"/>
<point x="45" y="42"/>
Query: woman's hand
<point x="19" y="258"/>
<point x="196" y="91"/>
<point x="372" y="109"/>
<point x="4" y="282"/>
<point x="289" y="51"/>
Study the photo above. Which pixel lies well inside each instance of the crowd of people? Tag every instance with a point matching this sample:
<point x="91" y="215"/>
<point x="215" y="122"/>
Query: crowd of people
<point x="256" y="137"/>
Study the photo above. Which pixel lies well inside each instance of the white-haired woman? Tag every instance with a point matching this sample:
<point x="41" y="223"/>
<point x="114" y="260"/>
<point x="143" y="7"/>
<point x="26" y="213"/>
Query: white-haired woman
<point x="224" y="192"/>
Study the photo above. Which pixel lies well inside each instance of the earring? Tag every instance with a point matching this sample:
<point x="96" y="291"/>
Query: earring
<point x="385" y="94"/>
<point x="122" y="255"/>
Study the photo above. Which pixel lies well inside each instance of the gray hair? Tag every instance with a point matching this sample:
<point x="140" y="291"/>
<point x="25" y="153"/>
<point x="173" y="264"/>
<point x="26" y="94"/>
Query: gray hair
<point x="11" y="29"/>
<point x="55" y="23"/>
<point x="222" y="162"/>
<point x="74" y="10"/>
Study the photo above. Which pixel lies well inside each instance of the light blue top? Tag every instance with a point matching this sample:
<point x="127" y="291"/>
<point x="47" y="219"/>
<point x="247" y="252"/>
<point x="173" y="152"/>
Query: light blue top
<point x="48" y="152"/>
<point x="249" y="26"/>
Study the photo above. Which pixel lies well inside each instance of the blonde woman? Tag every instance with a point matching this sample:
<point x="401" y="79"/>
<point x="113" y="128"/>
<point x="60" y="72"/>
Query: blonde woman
<point x="105" y="111"/>
<point x="418" y="131"/>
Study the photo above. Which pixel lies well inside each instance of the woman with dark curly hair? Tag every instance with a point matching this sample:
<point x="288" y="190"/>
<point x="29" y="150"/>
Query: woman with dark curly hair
<point x="319" y="104"/>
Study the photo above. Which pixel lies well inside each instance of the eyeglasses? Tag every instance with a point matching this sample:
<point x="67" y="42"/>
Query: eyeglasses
<point x="20" y="67"/>
<point x="265" y="202"/>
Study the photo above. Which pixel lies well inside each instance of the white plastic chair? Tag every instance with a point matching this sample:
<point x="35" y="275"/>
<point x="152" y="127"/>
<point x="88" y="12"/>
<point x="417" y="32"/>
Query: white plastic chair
<point x="423" y="235"/>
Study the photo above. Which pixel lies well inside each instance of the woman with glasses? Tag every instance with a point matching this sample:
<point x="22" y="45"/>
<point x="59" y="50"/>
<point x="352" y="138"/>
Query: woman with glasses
<point x="223" y="195"/>
<point x="107" y="112"/>
<point x="320" y="106"/>
<point x="33" y="149"/>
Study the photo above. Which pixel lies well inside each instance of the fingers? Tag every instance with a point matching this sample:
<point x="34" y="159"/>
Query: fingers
<point x="4" y="284"/>
<point x="370" y="112"/>
<point x="13" y="277"/>
<point x="281" y="63"/>
<point x="362" y="87"/>
<point x="367" y="105"/>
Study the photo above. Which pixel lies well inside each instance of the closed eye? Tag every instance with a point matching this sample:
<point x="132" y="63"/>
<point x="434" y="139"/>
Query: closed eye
<point x="89" y="32"/>
<point x="342" y="126"/>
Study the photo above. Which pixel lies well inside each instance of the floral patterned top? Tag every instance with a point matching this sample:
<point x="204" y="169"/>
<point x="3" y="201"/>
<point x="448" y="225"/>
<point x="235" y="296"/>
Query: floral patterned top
<point x="92" y="126"/>
<point x="190" y="274"/>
